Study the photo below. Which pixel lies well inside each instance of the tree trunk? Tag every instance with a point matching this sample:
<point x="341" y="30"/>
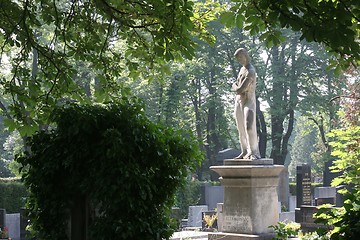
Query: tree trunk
<point x="261" y="129"/>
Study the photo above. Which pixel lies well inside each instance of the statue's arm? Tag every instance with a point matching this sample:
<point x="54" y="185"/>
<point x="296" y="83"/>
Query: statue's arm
<point x="241" y="85"/>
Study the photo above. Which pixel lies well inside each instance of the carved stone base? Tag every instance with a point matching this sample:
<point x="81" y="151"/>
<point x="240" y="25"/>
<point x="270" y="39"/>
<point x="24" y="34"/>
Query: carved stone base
<point x="250" y="197"/>
<point x="261" y="161"/>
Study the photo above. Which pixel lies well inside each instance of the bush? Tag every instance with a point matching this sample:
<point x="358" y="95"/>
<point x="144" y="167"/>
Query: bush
<point x="125" y="166"/>
<point x="13" y="194"/>
<point x="346" y="220"/>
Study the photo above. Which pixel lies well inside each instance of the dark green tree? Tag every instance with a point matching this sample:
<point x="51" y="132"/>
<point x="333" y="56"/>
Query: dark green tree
<point x="109" y="169"/>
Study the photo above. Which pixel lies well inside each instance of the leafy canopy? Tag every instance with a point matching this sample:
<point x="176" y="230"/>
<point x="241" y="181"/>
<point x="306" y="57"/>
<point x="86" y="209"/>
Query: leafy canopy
<point x="334" y="23"/>
<point x="52" y="50"/>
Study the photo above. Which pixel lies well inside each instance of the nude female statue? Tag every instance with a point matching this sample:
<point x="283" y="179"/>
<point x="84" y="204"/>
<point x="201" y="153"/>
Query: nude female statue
<point x="245" y="107"/>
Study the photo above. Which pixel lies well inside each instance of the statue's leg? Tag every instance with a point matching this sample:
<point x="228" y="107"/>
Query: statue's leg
<point x="240" y="124"/>
<point x="253" y="147"/>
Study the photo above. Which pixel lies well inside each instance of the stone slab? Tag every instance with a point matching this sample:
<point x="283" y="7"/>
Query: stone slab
<point x="196" y="215"/>
<point x="13" y="224"/>
<point x="189" y="235"/>
<point x="248" y="171"/>
<point x="238" y="236"/>
<point x="287" y="216"/>
<point x="325" y="192"/>
<point x="261" y="161"/>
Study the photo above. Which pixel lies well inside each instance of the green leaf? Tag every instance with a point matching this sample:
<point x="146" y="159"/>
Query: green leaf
<point x="10" y="124"/>
<point x="227" y="18"/>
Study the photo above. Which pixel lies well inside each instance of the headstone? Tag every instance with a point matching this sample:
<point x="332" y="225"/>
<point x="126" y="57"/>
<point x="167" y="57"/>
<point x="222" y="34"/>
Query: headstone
<point x="196" y="215"/>
<point x="213" y="196"/>
<point x="287" y="217"/>
<point x="292" y="203"/>
<point x="303" y="185"/>
<point x="2" y="218"/>
<point x="325" y="195"/>
<point x="307" y="220"/>
<point x="13" y="224"/>
<point x="283" y="188"/>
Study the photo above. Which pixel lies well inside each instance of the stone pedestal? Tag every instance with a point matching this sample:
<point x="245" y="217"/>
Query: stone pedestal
<point x="250" y="198"/>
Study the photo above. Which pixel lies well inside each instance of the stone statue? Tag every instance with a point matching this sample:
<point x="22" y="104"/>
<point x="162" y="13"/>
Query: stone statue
<point x="245" y="107"/>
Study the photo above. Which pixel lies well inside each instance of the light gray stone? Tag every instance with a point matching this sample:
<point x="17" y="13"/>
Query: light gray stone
<point x="13" y="224"/>
<point x="196" y="215"/>
<point x="213" y="196"/>
<point x="325" y="192"/>
<point x="292" y="203"/>
<point x="287" y="216"/>
<point x="220" y="209"/>
<point x="283" y="188"/>
<point x="250" y="197"/>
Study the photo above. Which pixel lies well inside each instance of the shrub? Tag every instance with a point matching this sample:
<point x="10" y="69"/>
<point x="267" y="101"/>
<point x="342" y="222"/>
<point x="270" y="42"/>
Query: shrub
<point x="285" y="230"/>
<point x="123" y="164"/>
<point x="13" y="194"/>
<point x="346" y="220"/>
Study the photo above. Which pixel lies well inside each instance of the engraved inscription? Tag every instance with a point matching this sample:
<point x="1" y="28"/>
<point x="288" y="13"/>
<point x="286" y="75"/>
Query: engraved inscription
<point x="306" y="184"/>
<point x="237" y="224"/>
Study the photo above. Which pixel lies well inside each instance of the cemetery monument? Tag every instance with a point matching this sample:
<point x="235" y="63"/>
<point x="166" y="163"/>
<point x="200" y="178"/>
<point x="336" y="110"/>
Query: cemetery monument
<point x="250" y="182"/>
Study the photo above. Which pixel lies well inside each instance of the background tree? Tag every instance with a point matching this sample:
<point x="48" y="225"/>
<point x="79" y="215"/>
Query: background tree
<point x="47" y="45"/>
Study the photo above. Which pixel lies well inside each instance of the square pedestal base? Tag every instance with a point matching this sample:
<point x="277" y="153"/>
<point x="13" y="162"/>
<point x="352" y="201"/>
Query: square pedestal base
<point x="238" y="236"/>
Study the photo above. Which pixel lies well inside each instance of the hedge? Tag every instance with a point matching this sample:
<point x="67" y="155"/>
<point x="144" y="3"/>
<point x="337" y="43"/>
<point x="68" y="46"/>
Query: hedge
<point x="13" y="194"/>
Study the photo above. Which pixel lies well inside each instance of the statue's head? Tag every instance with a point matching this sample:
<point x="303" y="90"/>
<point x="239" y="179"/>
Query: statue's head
<point x="242" y="56"/>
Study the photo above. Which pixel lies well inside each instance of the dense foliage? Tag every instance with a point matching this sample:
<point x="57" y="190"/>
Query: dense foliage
<point x="346" y="149"/>
<point x="81" y="50"/>
<point x="126" y="167"/>
<point x="13" y="194"/>
<point x="334" y="23"/>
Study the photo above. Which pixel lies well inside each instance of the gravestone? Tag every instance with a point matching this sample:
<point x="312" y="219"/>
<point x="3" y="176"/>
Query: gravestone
<point x="212" y="195"/>
<point x="283" y="188"/>
<point x="292" y="203"/>
<point x="2" y="218"/>
<point x="13" y="224"/>
<point x="196" y="215"/>
<point x="303" y="185"/>
<point x="325" y="195"/>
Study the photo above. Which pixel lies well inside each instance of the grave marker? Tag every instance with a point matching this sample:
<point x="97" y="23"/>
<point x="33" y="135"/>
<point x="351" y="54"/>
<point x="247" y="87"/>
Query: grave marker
<point x="303" y="185"/>
<point x="196" y="215"/>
